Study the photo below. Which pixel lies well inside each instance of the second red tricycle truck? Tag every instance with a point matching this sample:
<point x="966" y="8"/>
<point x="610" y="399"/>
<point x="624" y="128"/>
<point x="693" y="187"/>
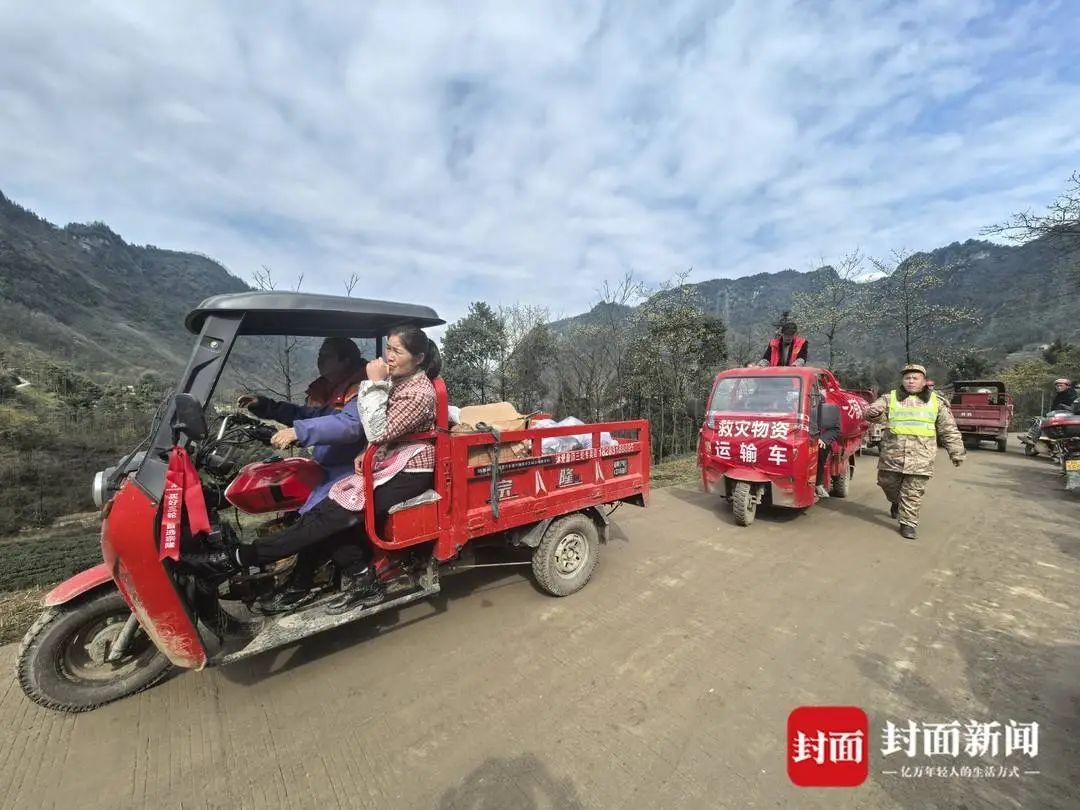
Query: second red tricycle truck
<point x="762" y="434"/>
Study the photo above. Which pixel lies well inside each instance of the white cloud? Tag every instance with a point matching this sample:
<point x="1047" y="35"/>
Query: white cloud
<point x="529" y="151"/>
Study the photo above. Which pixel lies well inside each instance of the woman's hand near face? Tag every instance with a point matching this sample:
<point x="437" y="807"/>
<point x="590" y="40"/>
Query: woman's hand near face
<point x="377" y="370"/>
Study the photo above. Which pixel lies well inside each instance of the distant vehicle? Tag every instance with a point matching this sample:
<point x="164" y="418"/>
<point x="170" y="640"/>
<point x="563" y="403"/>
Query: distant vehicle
<point x="982" y="410"/>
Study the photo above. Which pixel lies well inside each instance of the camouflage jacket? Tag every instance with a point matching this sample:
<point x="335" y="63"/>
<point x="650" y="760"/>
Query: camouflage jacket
<point x="914" y="455"/>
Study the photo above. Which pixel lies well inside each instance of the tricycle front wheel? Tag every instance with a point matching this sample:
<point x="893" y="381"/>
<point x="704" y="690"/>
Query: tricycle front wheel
<point x="566" y="558"/>
<point x="63" y="660"/>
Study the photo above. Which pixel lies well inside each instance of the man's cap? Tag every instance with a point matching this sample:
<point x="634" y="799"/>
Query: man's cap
<point x="913" y="367"/>
<point x="1060" y="380"/>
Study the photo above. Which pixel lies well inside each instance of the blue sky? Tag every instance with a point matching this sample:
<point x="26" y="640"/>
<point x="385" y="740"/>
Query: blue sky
<point x="528" y="151"/>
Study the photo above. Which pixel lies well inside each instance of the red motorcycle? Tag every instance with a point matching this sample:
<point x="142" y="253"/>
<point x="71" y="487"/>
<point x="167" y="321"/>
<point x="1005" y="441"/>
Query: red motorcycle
<point x="1064" y="429"/>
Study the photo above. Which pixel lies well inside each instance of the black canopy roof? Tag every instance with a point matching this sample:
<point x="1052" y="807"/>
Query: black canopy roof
<point x="307" y="314"/>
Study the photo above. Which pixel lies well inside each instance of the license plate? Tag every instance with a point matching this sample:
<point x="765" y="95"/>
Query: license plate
<point x="1072" y="464"/>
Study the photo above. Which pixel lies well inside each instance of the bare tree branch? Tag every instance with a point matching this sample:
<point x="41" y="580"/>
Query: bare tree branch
<point x="263" y="279"/>
<point x="833" y="308"/>
<point x="283" y="358"/>
<point x="903" y="302"/>
<point x="1061" y="220"/>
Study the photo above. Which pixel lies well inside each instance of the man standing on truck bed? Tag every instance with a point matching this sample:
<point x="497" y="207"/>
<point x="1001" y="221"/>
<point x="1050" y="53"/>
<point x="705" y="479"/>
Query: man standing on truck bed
<point x="787" y="348"/>
<point x="914" y="420"/>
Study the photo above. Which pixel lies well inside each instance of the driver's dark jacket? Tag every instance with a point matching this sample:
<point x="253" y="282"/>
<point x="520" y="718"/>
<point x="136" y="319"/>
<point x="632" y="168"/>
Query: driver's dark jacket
<point x="1063" y="400"/>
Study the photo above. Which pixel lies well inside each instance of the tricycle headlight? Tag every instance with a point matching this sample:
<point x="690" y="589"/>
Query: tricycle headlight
<point x="98" y="489"/>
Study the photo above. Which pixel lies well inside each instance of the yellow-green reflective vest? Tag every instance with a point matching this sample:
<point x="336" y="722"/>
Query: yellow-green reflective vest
<point x="919" y="419"/>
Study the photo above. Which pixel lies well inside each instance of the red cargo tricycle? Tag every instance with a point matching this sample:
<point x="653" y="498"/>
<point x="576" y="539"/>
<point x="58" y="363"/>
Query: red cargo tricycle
<point x="760" y="440"/>
<point x="118" y="628"/>
<point x="982" y="410"/>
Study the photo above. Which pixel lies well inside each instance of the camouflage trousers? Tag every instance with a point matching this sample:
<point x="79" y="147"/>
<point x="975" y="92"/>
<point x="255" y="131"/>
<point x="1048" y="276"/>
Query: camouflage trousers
<point x="905" y="491"/>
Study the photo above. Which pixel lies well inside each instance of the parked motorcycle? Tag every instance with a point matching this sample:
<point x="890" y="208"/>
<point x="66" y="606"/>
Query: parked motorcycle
<point x="1064" y="430"/>
<point x="1037" y="442"/>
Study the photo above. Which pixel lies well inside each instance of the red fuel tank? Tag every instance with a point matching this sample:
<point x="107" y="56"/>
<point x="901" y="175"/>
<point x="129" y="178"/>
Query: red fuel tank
<point x="852" y="409"/>
<point x="274" y="486"/>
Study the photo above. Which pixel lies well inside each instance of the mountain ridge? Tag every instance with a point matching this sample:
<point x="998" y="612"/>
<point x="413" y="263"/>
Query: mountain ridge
<point x="1020" y="294"/>
<point x="82" y="293"/>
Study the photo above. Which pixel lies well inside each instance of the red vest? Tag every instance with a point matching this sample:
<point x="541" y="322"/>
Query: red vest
<point x="320" y="393"/>
<point x="797" y="344"/>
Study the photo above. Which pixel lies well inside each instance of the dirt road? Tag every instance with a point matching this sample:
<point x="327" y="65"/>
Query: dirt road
<point x="665" y="683"/>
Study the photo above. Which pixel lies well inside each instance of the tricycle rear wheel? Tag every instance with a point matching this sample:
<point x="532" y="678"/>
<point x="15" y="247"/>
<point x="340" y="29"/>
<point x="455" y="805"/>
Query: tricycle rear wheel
<point x="62" y="660"/>
<point x="565" y="559"/>
<point x="743" y="504"/>
<point x="1002" y="445"/>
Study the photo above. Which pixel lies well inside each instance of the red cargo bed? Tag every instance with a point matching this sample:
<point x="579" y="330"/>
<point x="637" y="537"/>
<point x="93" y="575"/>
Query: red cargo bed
<point x="529" y="489"/>
<point x="982" y="415"/>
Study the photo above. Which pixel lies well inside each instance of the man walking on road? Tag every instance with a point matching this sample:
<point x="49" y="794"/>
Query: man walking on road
<point x="914" y="420"/>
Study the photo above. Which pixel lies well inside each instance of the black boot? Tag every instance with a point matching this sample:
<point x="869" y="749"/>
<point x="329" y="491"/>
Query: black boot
<point x="894" y="510"/>
<point x="219" y="562"/>
<point x="291" y="597"/>
<point x="907" y="532"/>
<point x="358" y="587"/>
<point x="297" y="592"/>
